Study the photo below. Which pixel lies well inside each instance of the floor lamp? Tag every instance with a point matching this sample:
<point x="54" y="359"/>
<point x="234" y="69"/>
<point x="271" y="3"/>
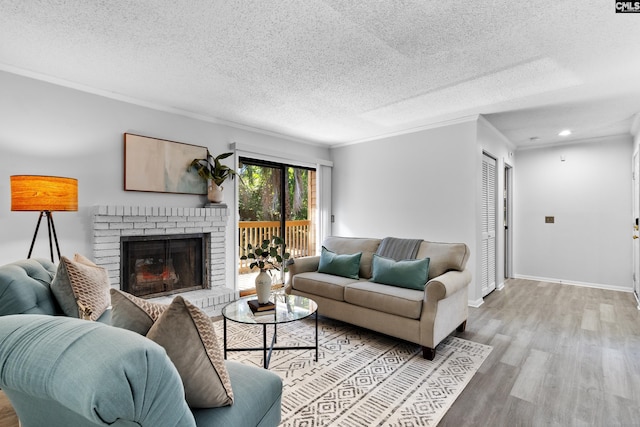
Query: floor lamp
<point x="44" y="194"/>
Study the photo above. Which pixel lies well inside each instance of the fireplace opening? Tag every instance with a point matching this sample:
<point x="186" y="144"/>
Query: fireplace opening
<point x="162" y="265"/>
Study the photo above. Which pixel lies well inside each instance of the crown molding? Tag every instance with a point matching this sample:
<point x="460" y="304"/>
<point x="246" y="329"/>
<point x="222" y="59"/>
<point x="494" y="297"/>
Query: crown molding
<point x="428" y="126"/>
<point x="575" y="141"/>
<point x="148" y="104"/>
<point x="497" y="132"/>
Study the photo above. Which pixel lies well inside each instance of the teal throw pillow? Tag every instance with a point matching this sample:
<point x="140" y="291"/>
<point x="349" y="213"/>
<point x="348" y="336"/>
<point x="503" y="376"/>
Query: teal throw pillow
<point x="410" y="273"/>
<point x="339" y="265"/>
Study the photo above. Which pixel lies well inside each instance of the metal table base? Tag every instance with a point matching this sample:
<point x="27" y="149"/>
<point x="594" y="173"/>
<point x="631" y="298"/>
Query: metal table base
<point x="266" y="351"/>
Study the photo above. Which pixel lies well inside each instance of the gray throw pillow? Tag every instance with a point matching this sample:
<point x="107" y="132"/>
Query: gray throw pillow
<point x="133" y="313"/>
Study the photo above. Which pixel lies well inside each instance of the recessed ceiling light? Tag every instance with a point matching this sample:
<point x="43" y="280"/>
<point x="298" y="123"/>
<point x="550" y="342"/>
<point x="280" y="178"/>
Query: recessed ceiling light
<point x="565" y="132"/>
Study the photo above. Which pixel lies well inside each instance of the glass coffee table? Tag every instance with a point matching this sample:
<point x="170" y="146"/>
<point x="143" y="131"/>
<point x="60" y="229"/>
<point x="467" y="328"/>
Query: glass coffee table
<point x="289" y="308"/>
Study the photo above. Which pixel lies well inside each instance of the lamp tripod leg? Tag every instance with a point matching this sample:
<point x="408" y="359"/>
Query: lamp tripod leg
<point x="52" y="227"/>
<point x="33" y="241"/>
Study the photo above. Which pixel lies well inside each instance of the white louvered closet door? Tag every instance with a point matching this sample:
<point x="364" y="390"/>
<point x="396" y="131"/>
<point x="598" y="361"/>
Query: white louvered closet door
<point x="488" y="224"/>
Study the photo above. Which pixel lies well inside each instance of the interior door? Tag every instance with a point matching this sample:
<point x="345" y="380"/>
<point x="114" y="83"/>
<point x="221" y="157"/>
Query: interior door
<point x="508" y="232"/>
<point x="488" y="256"/>
<point x="636" y="232"/>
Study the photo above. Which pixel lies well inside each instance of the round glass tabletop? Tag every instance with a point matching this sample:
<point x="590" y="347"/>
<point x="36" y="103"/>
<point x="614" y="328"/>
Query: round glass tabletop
<point x="288" y="309"/>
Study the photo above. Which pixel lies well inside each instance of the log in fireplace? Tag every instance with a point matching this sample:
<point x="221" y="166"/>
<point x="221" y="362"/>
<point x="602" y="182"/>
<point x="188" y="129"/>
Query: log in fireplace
<point x="162" y="265"/>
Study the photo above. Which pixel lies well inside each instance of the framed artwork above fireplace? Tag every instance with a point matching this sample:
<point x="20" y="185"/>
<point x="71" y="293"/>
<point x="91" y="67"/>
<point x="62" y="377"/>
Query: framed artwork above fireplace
<point x="158" y="165"/>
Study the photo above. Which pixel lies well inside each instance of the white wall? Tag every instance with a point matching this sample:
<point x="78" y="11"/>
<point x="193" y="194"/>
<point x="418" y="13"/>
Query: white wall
<point x="590" y="196"/>
<point x="424" y="184"/>
<point x="419" y="185"/>
<point x="635" y="130"/>
<point x="52" y="130"/>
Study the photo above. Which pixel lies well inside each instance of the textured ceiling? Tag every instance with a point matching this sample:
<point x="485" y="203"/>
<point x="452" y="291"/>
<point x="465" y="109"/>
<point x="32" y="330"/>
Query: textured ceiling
<point x="338" y="71"/>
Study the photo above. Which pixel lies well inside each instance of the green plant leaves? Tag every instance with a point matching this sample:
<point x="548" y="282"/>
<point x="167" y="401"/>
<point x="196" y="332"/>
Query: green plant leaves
<point x="211" y="168"/>
<point x="267" y="255"/>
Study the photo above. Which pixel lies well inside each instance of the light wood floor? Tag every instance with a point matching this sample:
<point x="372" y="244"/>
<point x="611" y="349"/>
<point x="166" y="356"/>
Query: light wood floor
<point x="562" y="356"/>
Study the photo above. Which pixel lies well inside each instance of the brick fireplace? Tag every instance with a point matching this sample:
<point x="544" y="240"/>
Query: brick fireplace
<point x="112" y="224"/>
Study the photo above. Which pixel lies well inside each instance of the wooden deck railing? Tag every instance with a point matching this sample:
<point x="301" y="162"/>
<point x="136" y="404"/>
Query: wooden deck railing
<point x="296" y="236"/>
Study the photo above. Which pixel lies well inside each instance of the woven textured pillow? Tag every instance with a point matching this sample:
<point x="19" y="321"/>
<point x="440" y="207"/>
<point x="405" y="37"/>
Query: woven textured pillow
<point x="81" y="283"/>
<point x="188" y="337"/>
<point x="133" y="313"/>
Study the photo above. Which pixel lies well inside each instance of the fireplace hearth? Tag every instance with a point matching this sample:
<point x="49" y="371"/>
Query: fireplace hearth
<point x="163" y="265"/>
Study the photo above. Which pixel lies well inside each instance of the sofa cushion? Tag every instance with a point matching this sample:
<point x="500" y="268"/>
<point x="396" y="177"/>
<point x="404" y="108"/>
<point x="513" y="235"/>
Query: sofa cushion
<point x="133" y="313"/>
<point x="345" y="265"/>
<point x="351" y="245"/>
<point x="25" y="287"/>
<point x="388" y="299"/>
<point x="257" y="399"/>
<point x="326" y="285"/>
<point x="81" y="282"/>
<point x="410" y="273"/>
<point x="187" y="335"/>
<point x="444" y="257"/>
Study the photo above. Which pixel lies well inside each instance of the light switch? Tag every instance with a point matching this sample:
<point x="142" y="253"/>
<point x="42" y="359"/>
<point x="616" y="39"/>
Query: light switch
<point x="549" y="219"/>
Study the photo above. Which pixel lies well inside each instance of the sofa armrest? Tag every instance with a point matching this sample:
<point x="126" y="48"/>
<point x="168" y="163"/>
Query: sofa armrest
<point x="303" y="264"/>
<point x="60" y="371"/>
<point x="447" y="284"/>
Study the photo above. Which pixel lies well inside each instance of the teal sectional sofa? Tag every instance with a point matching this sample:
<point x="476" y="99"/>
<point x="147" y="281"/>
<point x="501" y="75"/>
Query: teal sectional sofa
<point x="60" y="371"/>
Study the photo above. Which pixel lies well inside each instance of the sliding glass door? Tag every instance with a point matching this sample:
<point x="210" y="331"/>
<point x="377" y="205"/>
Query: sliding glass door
<point x="275" y="199"/>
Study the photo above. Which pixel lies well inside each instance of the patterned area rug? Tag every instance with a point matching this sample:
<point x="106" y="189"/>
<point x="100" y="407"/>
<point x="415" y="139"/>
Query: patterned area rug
<point x="361" y="378"/>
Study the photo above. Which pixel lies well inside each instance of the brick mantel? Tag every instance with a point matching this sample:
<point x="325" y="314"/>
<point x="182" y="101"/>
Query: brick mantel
<point x="111" y="222"/>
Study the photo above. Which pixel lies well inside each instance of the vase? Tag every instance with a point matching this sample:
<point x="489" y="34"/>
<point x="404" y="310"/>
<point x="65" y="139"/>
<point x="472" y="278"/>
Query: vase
<point x="263" y="287"/>
<point x="214" y="192"/>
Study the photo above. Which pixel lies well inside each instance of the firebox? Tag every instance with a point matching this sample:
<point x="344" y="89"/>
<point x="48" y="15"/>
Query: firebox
<point x="161" y="265"/>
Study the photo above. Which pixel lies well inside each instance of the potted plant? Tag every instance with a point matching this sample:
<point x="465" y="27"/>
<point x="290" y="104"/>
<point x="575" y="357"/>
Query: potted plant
<point x="270" y="255"/>
<point x="215" y="173"/>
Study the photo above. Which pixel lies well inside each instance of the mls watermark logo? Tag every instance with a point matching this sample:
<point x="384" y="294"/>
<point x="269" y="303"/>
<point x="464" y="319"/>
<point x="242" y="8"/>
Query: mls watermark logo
<point x="628" y="7"/>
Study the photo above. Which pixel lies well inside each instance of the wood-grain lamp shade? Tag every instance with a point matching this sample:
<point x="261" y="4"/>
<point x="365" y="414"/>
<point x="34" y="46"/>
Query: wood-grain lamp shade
<point x="43" y="193"/>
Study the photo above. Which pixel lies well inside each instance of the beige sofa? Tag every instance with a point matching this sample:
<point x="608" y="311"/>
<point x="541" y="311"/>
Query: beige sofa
<point x="423" y="317"/>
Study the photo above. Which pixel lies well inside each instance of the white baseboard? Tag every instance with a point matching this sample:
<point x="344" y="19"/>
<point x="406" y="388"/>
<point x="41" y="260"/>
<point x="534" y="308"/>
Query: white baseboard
<point x="575" y="283"/>
<point x="477" y="303"/>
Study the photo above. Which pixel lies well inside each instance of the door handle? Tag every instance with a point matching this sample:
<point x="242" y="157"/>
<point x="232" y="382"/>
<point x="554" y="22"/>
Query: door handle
<point x="635" y="237"/>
